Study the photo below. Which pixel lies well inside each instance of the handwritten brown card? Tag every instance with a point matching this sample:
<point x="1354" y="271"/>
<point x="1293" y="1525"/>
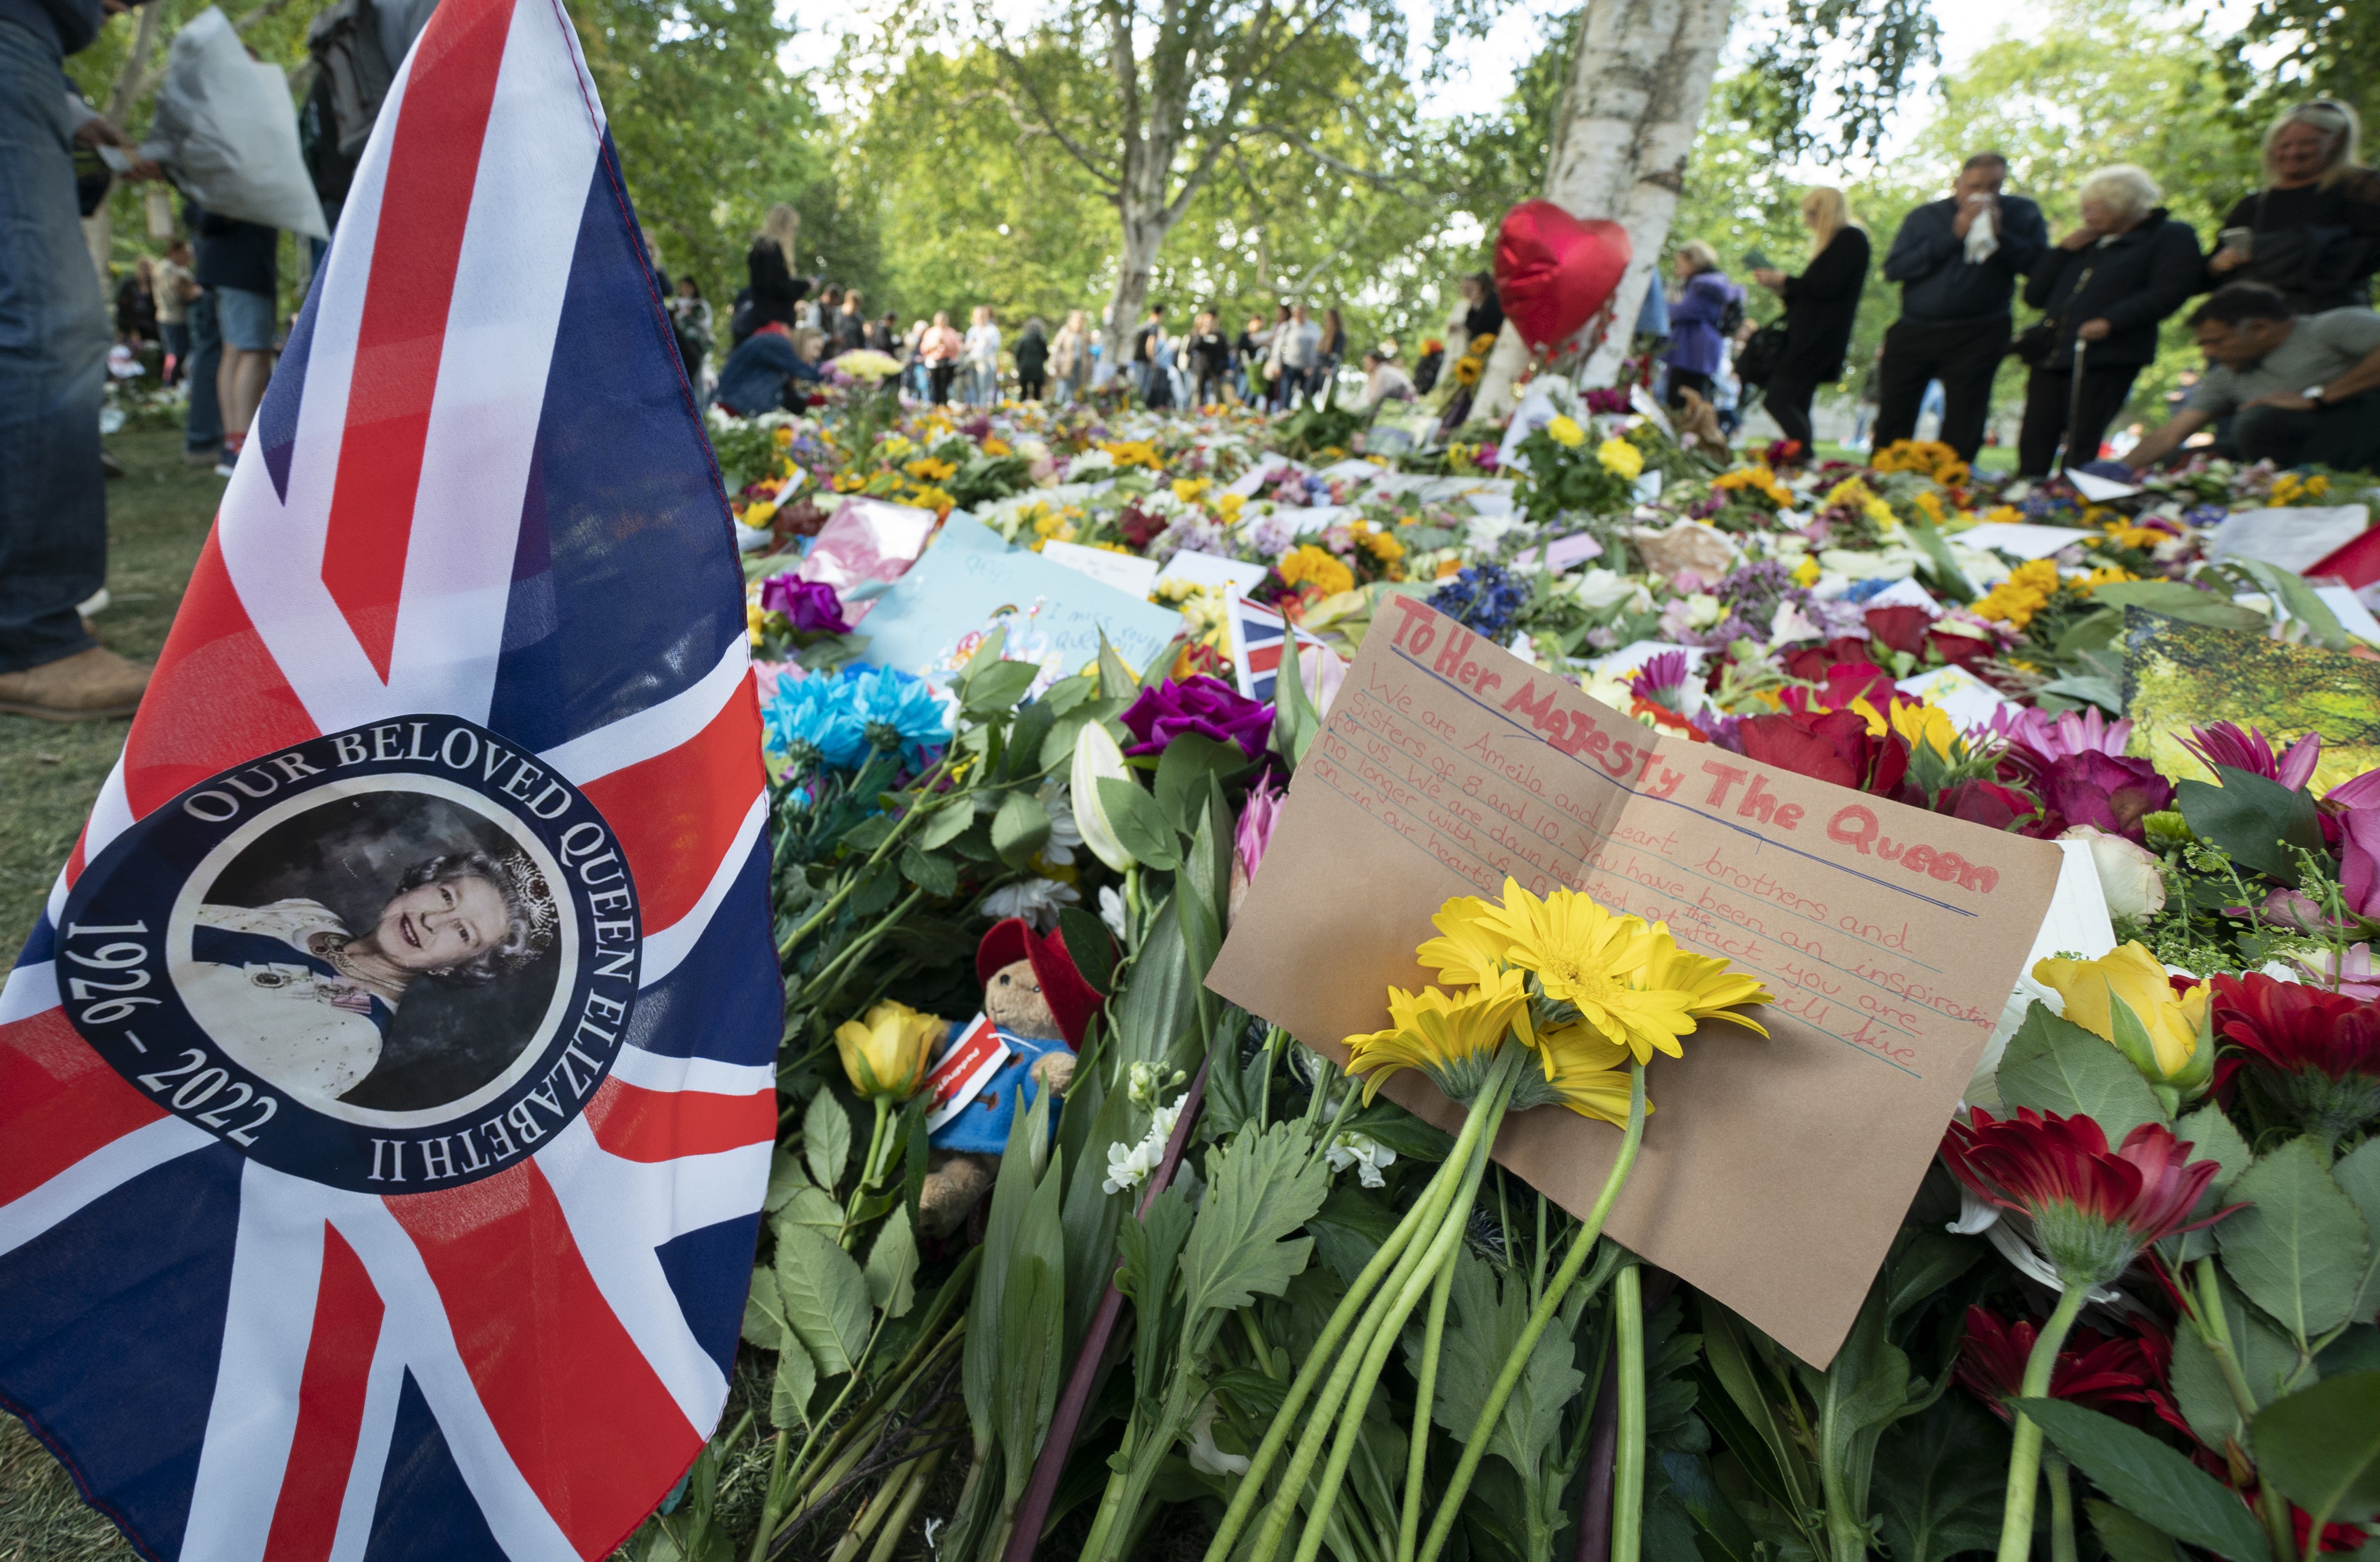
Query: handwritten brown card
<point x="1773" y="1174"/>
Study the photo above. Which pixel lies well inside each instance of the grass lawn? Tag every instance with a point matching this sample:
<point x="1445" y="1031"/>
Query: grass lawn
<point x="157" y="516"/>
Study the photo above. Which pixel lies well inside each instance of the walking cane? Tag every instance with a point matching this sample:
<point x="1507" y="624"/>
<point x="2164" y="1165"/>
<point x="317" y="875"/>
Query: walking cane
<point x="2074" y="410"/>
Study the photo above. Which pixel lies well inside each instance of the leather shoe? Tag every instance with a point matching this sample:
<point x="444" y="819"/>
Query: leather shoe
<point x="92" y="685"/>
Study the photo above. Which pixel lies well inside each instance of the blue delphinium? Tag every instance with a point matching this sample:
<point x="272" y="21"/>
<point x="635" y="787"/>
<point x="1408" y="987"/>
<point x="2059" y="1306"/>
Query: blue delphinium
<point x="1482" y="598"/>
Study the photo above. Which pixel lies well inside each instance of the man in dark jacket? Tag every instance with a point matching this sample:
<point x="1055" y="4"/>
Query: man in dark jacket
<point x="52" y="492"/>
<point x="760" y="374"/>
<point x="1032" y="361"/>
<point x="2102" y="291"/>
<point x="1957" y="261"/>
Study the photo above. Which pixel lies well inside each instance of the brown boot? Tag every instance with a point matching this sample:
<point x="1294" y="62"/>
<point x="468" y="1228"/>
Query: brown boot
<point x="87" y="686"/>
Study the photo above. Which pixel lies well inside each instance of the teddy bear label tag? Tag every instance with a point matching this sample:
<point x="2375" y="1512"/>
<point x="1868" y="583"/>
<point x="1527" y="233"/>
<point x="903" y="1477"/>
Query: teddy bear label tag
<point x="970" y="1063"/>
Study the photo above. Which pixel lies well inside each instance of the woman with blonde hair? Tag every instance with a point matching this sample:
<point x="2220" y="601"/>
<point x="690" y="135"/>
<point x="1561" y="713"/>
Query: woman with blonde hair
<point x="775" y="289"/>
<point x="2314" y="230"/>
<point x="2102" y="291"/>
<point x="1821" y="306"/>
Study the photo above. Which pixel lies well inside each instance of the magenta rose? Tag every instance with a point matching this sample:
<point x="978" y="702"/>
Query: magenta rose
<point x="807" y="604"/>
<point x="1204" y="705"/>
<point x="2107" y="791"/>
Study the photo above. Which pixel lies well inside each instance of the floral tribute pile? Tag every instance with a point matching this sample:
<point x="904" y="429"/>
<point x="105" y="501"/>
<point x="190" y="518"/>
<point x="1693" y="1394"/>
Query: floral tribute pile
<point x="1220" y="1298"/>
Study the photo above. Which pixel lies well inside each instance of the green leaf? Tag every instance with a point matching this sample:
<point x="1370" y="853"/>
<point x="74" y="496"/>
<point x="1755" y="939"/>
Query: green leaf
<point x="1927" y="1267"/>
<point x="826" y="1139"/>
<point x="790" y="1392"/>
<point x="1483" y="1327"/>
<point x="892" y="1270"/>
<point x="1946" y="571"/>
<point x="785" y="1177"/>
<point x="1182" y="774"/>
<point x="2299" y="1249"/>
<point x="2126" y="1537"/>
<point x="811" y="1208"/>
<point x="1161" y="662"/>
<point x="2321" y="1447"/>
<point x="1116" y="681"/>
<point x="2264" y="1355"/>
<point x="1157" y="1002"/>
<point x="938" y="876"/>
<point x="945" y="824"/>
<point x="1089" y="947"/>
<point x="1020" y="828"/>
<point x="998" y="688"/>
<point x="1773" y="1455"/>
<point x="877" y="887"/>
<point x="1151" y="1250"/>
<point x="2298" y="599"/>
<point x="1295" y="721"/>
<point x="1348" y="1230"/>
<point x="1414" y="1139"/>
<point x="2257" y="821"/>
<point x="2054" y="1065"/>
<point x="2175" y="600"/>
<point x="1941" y="1477"/>
<point x="1140" y="824"/>
<point x="1263" y="1186"/>
<point x="2210" y="1137"/>
<point x="2359" y="1175"/>
<point x="2145" y="1476"/>
<point x="764" y="1315"/>
<point x="825" y="1298"/>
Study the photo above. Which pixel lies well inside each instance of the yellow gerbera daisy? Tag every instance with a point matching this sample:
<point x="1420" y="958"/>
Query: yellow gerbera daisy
<point x="1714" y="988"/>
<point x="1583" y="1070"/>
<point x="1451" y="1037"/>
<point x="1471" y="949"/>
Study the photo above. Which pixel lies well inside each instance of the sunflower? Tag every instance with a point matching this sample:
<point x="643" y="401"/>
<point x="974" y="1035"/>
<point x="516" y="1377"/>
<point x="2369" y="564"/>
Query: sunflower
<point x="1451" y="1037"/>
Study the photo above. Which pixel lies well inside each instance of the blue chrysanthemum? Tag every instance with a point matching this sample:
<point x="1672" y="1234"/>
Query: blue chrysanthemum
<point x="895" y="709"/>
<point x="805" y="720"/>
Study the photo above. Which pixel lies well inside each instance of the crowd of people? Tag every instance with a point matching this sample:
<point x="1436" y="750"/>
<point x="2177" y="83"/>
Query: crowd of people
<point x="2287" y="324"/>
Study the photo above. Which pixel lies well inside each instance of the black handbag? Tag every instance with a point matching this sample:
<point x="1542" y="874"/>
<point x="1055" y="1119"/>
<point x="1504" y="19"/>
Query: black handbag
<point x="1761" y="356"/>
<point x="2036" y="344"/>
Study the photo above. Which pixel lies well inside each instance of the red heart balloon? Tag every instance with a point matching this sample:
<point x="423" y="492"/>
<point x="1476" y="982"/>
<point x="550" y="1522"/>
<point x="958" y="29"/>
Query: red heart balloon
<point x="1553" y="271"/>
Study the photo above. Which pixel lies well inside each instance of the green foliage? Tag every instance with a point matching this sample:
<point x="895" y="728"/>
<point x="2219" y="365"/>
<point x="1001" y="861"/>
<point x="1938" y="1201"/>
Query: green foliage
<point x="2258" y="823"/>
<point x="2054" y="1065"/>
<point x="2147" y="1478"/>
<point x="1940" y="1481"/>
<point x="2321" y="1446"/>
<point x="2299" y="1249"/>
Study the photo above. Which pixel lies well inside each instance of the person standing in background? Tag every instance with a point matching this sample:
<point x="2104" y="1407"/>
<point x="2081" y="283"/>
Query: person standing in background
<point x="1302" y="352"/>
<point x="2314" y="230"/>
<point x="1957" y="260"/>
<point x="1032" y="361"/>
<point x="136" y="306"/>
<point x="1070" y="357"/>
<point x="1210" y="360"/>
<point x="884" y="336"/>
<point x="690" y="323"/>
<point x="2102" y="290"/>
<point x="1483" y="311"/>
<point x="175" y="289"/>
<point x="938" y="350"/>
<point x="1248" y="347"/>
<point x="1330" y="351"/>
<point x="53" y="325"/>
<point x="240" y="262"/>
<point x="1820" y="308"/>
<point x="850" y="324"/>
<point x="1143" y="349"/>
<point x="769" y="264"/>
<point x="983" y="357"/>
<point x="1697" y="323"/>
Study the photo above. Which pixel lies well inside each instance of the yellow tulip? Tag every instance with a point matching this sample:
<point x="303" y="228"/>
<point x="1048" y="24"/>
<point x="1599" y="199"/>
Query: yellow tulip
<point x="885" y="1054"/>
<point x="2169" y="1039"/>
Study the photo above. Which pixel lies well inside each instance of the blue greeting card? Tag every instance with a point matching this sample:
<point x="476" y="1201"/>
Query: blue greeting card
<point x="970" y="583"/>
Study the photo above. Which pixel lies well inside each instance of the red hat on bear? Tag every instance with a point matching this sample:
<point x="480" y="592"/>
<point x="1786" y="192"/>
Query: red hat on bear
<point x="1071" y="998"/>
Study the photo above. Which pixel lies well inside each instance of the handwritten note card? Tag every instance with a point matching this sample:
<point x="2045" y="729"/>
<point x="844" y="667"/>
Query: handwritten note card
<point x="1774" y="1174"/>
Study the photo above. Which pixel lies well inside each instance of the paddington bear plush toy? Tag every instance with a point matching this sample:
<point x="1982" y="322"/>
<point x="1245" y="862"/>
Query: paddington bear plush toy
<point x="1040" y="1006"/>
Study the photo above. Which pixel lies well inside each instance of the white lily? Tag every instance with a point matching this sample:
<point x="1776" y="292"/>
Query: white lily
<point x="1097" y="756"/>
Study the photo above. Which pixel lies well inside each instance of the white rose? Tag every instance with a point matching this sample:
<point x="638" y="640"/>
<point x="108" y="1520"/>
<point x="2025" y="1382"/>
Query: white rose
<point x="2128" y="873"/>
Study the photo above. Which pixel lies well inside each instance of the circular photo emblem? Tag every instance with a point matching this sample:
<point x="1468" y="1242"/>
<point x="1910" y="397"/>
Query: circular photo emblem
<point x="390" y="959"/>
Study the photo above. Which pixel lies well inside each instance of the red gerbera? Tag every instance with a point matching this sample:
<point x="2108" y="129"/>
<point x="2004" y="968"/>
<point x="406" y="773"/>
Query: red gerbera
<point x="2313" y="1054"/>
<point x="2120" y="1374"/>
<point x="2093" y="1208"/>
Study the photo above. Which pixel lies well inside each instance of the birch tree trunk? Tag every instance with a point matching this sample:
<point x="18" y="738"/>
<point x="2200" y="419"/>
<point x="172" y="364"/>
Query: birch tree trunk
<point x="1622" y="137"/>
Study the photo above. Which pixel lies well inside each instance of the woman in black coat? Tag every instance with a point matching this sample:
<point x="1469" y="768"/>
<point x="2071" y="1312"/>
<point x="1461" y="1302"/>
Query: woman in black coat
<point x="2102" y="293"/>
<point x="1820" y="306"/>
<point x="775" y="288"/>
<point x="2314" y="230"/>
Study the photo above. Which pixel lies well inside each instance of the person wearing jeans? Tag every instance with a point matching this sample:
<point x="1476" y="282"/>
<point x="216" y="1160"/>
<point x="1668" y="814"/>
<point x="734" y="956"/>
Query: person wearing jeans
<point x="1957" y="261"/>
<point x="53" y="341"/>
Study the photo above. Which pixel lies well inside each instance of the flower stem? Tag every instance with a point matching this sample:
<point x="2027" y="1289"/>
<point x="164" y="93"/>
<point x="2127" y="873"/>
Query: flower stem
<point x="1475" y="1449"/>
<point x="867" y="1172"/>
<point x="772" y="1503"/>
<point x="1628" y="1472"/>
<point x="1436" y="1261"/>
<point x="1343" y="1317"/>
<point x="2024" y="1457"/>
<point x="834" y="902"/>
<point x="1424" y="1394"/>
<point x="2061" y="1508"/>
<point x="2215" y="1331"/>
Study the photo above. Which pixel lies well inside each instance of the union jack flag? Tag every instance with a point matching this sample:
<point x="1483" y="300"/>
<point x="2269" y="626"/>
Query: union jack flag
<point x="477" y="489"/>
<point x="1260" y="641"/>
